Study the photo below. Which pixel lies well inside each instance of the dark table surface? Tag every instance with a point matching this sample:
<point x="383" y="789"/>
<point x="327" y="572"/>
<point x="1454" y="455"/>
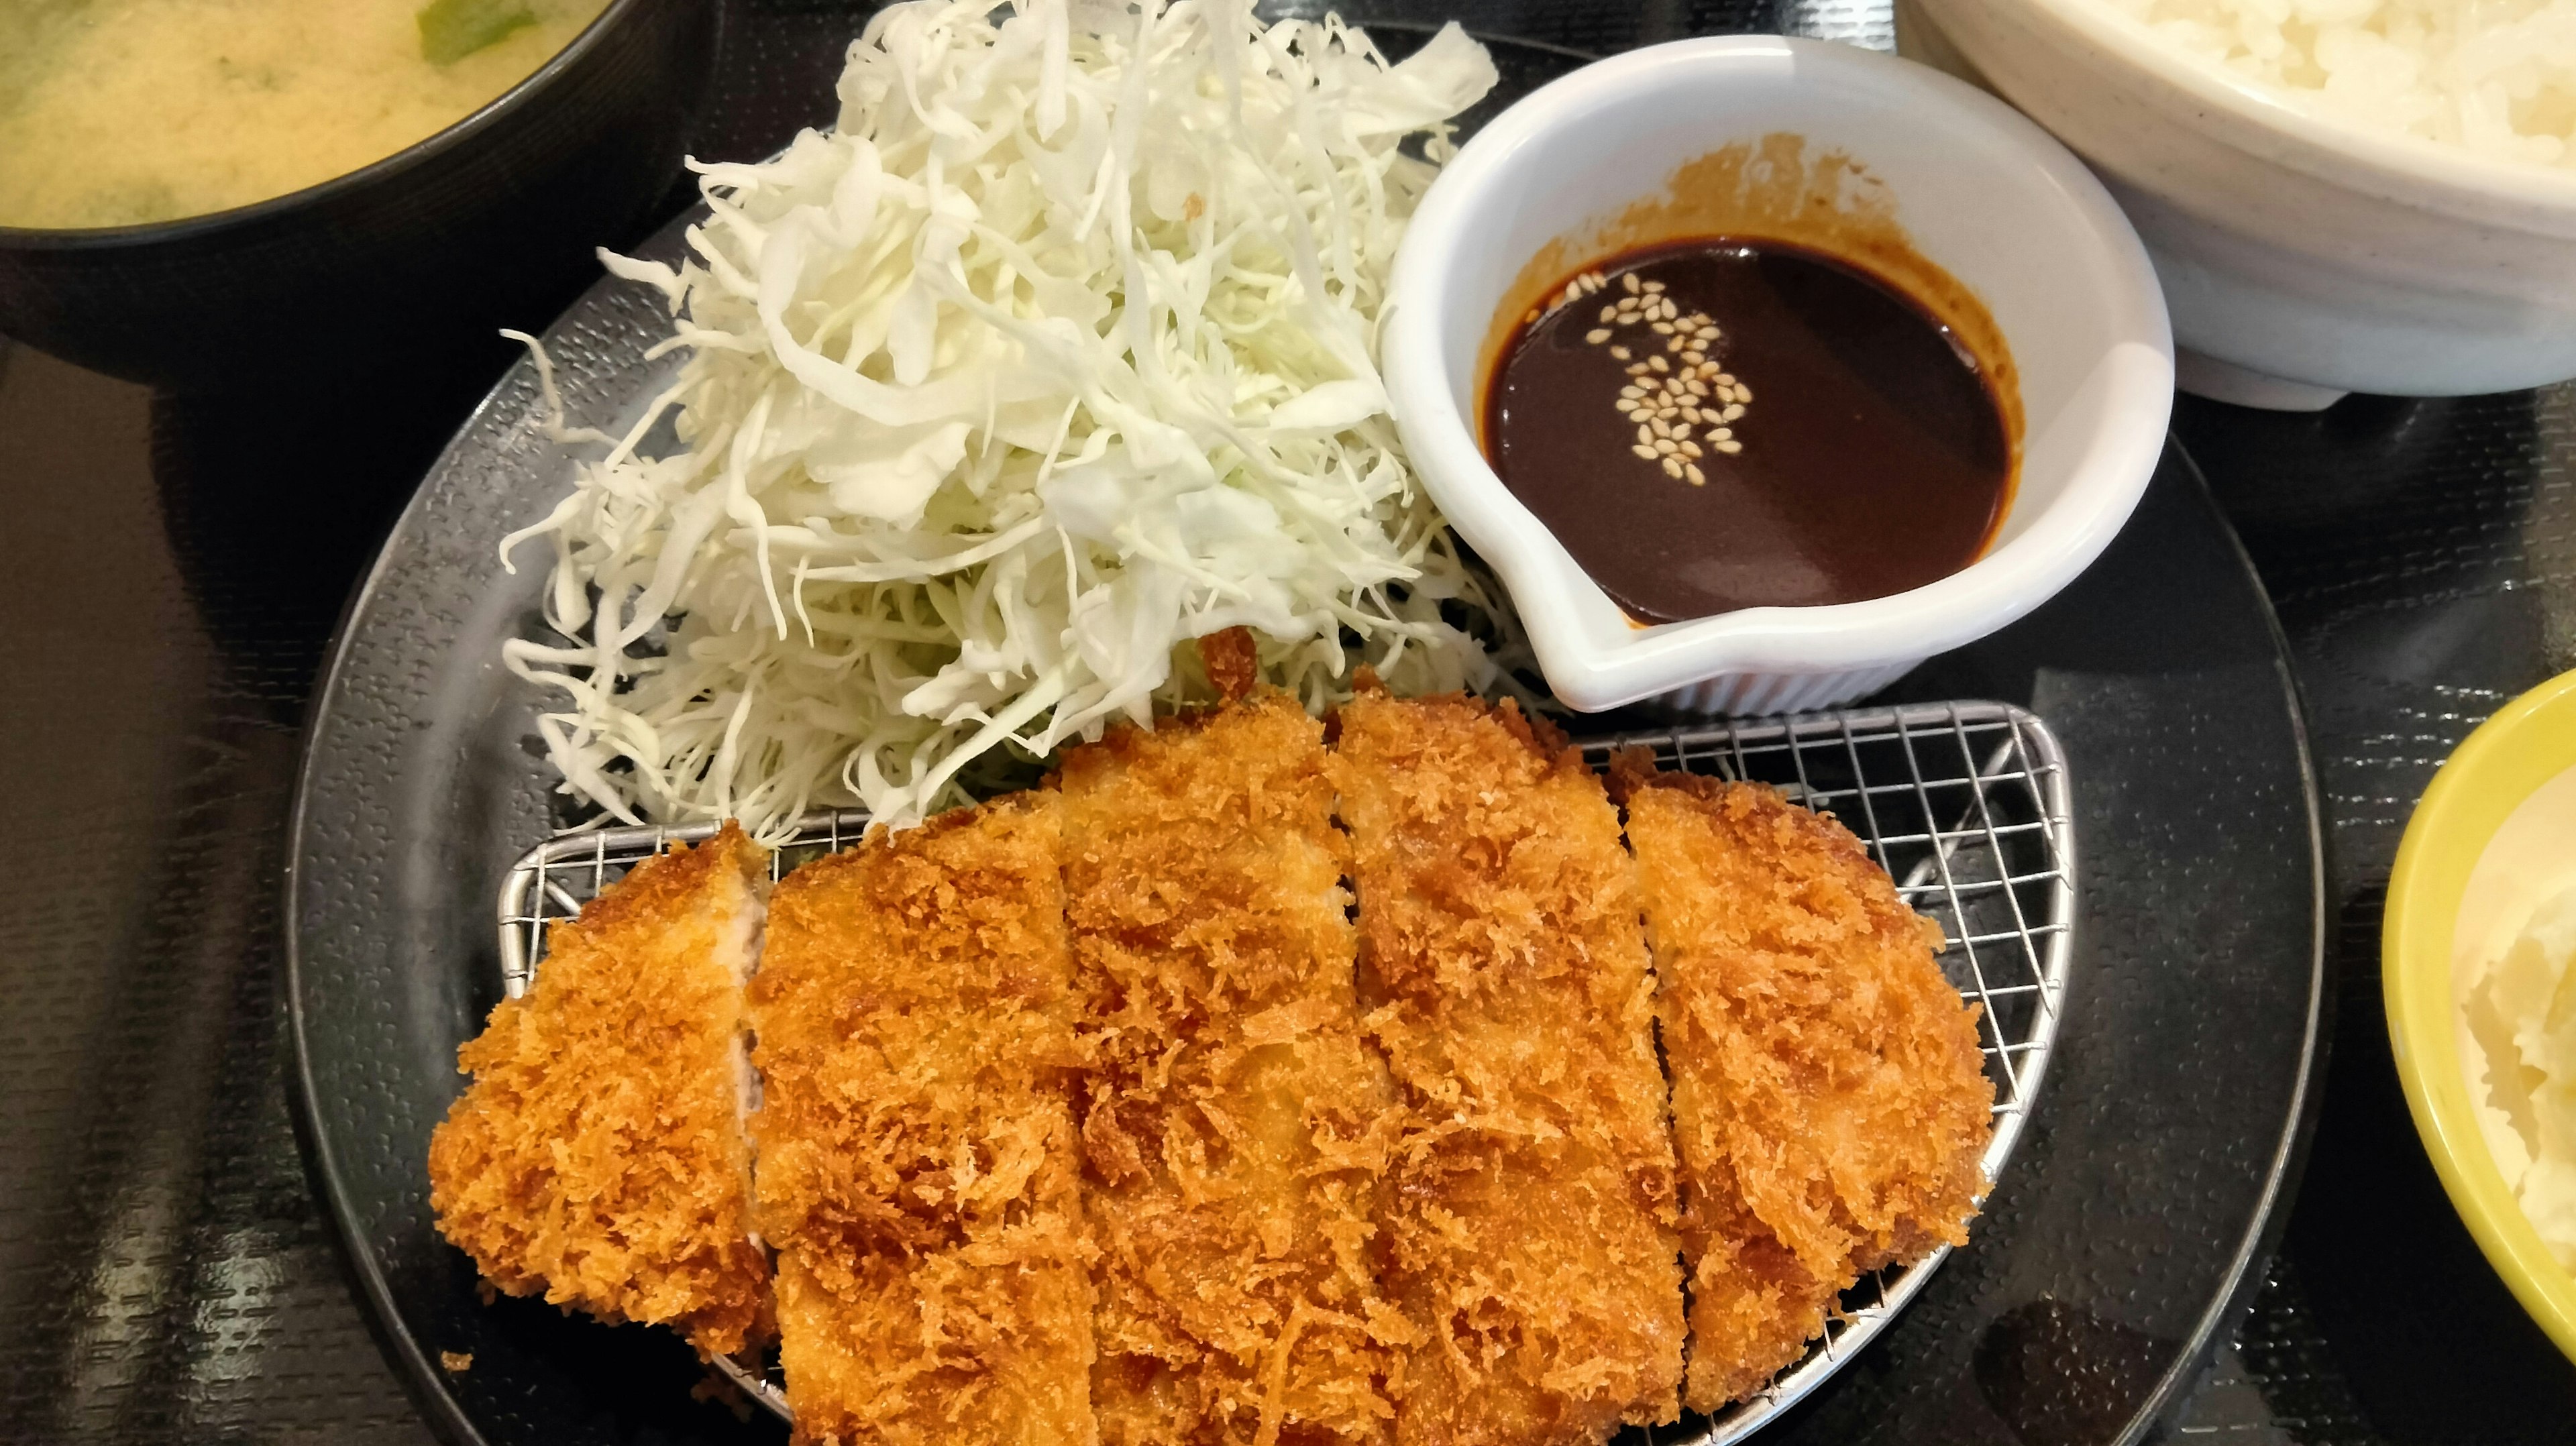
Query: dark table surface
<point x="169" y="573"/>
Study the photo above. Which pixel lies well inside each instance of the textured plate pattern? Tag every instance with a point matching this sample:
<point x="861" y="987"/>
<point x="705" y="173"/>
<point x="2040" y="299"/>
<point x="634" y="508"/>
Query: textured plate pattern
<point x="2423" y="555"/>
<point x="170" y="578"/>
<point x="2106" y="1263"/>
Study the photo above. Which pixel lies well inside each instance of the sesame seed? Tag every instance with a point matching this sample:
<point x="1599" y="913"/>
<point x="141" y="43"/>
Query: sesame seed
<point x="1620" y="352"/>
<point x="1667" y="447"/>
<point x="1733" y="411"/>
<point x="1609" y="313"/>
<point x="1730" y="448"/>
<point x="1632" y="390"/>
<point x="1673" y="468"/>
<point x="1743" y="393"/>
<point x="1642" y="450"/>
<point x="1695" y="387"/>
<point x="1697" y="477"/>
<point x="1597" y="335"/>
<point x="1668" y="412"/>
<point x="1654" y="287"/>
<point x="1690" y="449"/>
<point x="1628" y="283"/>
<point x="1658" y="363"/>
<point x="1645" y="437"/>
<point x="1663" y="328"/>
<point x="1720" y="434"/>
<point x="1691" y="415"/>
<point x="1659" y="429"/>
<point x="1694" y="357"/>
<point x="1725" y="380"/>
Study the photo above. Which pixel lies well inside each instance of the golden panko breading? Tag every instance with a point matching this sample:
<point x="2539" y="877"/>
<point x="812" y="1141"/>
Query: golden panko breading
<point x="1828" y="1095"/>
<point x="919" y="1170"/>
<point x="1531" y="1212"/>
<point x="598" y="1156"/>
<point x="1237" y="1122"/>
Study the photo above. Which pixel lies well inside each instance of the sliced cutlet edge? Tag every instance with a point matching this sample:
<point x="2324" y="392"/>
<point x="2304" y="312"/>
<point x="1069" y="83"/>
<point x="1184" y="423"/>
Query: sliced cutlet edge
<point x="1830" y="1103"/>
<point x="597" y="1158"/>
<point x="1237" y="1122"/>
<point x="1531" y="1223"/>
<point x="919" y="1169"/>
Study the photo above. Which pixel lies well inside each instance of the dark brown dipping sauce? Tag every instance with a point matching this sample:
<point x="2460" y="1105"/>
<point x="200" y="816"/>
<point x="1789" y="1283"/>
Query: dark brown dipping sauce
<point x="1873" y="457"/>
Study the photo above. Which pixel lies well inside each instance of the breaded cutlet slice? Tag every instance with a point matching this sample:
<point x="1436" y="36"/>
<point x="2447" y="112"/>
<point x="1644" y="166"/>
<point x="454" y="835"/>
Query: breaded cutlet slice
<point x="1829" y="1100"/>
<point x="1237" y="1122"/>
<point x="598" y="1156"/>
<point x="919" y="1172"/>
<point x="1531" y="1212"/>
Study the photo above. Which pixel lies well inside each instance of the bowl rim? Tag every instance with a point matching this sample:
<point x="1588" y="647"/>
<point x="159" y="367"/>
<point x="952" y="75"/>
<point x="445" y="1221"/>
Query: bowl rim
<point x="438" y="142"/>
<point x="1900" y="629"/>
<point x="2418" y="160"/>
<point x="2526" y="743"/>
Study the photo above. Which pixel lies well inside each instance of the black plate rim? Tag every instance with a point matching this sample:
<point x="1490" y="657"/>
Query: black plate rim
<point x="423" y="1379"/>
<point x="2288" y="1163"/>
<point x="420" y="1378"/>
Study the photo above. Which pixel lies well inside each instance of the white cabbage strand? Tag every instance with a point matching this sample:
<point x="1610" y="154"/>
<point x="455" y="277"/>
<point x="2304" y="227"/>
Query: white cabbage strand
<point x="1058" y="352"/>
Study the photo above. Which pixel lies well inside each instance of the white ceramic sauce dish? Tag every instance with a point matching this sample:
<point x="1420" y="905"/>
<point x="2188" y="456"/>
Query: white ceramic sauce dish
<point x="1977" y="190"/>
<point x="2303" y="256"/>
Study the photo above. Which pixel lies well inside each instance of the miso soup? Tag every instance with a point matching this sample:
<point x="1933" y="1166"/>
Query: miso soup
<point x="122" y="112"/>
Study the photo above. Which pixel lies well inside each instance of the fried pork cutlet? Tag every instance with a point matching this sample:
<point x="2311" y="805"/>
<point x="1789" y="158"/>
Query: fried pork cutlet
<point x="1237" y="1121"/>
<point x="598" y="1155"/>
<point x="1531" y="1214"/>
<point x="919" y="1170"/>
<point x="1828" y="1098"/>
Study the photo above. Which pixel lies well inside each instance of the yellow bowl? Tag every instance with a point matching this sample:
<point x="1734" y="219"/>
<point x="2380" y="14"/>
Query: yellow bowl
<point x="2512" y="754"/>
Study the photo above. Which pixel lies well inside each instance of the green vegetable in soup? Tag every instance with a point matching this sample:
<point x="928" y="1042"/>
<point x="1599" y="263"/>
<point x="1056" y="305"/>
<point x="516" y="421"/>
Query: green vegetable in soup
<point x="451" y="30"/>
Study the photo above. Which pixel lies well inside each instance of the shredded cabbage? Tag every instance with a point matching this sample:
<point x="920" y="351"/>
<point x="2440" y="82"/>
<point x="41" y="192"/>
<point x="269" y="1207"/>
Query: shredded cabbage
<point x="1058" y="352"/>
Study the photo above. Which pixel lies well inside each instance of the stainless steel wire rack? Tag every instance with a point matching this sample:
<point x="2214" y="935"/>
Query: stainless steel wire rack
<point x="1964" y="804"/>
<point x="1966" y="807"/>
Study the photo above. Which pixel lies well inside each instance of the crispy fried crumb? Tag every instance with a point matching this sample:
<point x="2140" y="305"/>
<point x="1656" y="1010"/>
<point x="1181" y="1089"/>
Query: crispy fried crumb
<point x="1828" y="1095"/>
<point x="598" y="1156"/>
<point x="456" y="1363"/>
<point x="919" y="1168"/>
<point x="1532" y="1213"/>
<point x="1237" y="1122"/>
<point x="1232" y="661"/>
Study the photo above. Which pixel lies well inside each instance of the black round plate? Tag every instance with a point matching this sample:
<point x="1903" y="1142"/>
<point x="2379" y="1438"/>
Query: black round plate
<point x="2106" y="1263"/>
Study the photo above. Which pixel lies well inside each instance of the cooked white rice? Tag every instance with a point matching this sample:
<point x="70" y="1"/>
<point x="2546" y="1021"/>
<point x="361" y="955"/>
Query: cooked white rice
<point x="2496" y="76"/>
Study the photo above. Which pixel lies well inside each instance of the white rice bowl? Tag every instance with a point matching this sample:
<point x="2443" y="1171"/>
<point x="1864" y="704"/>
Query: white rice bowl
<point x="2497" y="77"/>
